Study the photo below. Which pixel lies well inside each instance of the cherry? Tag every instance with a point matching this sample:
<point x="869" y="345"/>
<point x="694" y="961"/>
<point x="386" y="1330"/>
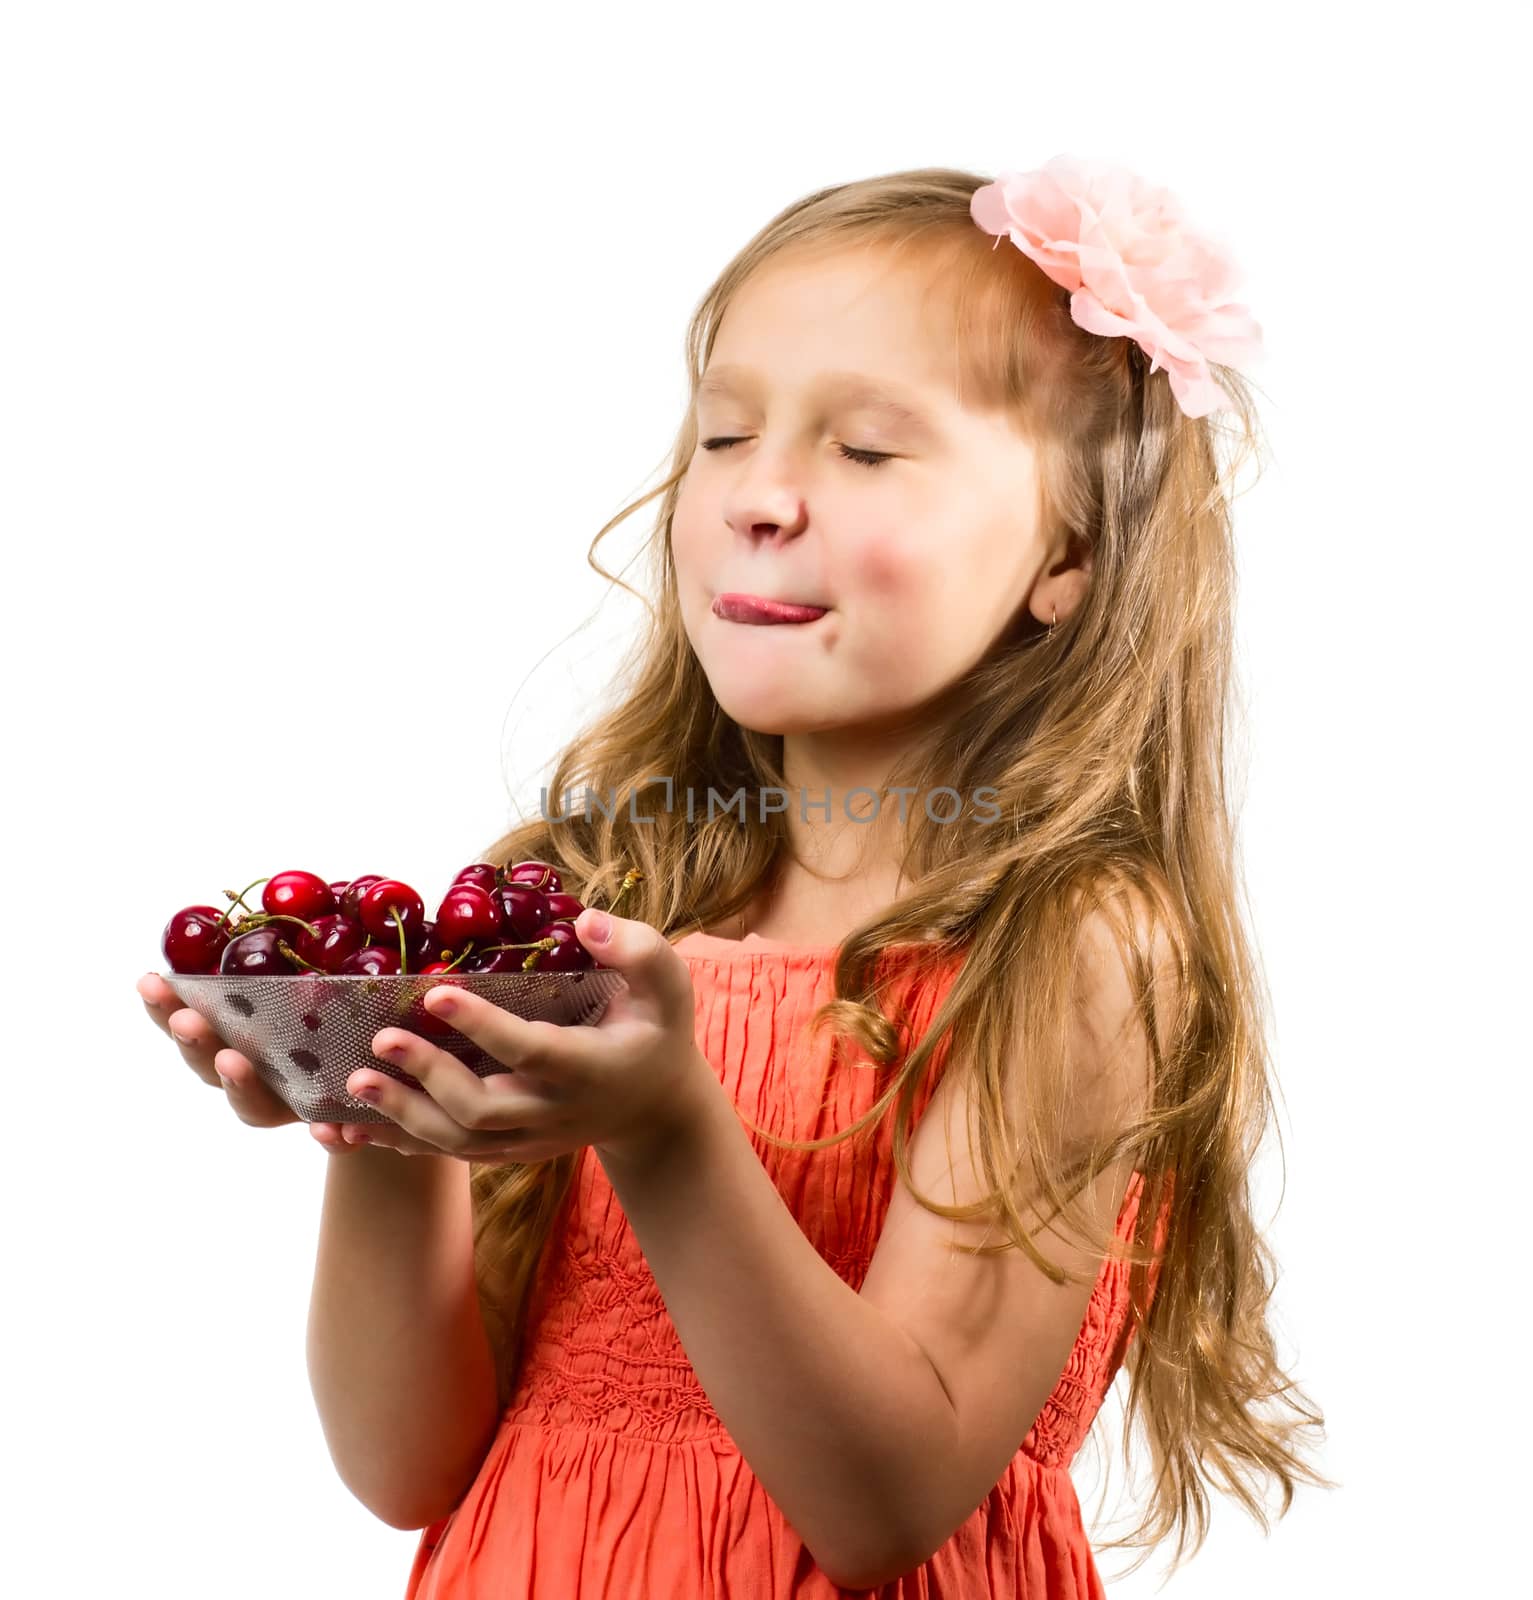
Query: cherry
<point x="194" y="940"/>
<point x="351" y="901"/>
<point x="380" y="903"/>
<point x="335" y="937"/>
<point x="497" y="919"/>
<point x="502" y="958"/>
<point x="535" y="955"/>
<point x="371" y="961"/>
<point x="298" y="894"/>
<point x="537" y="873"/>
<point x="482" y="875"/>
<point x="425" y="946"/>
<point x="523" y="909"/>
<point x="467" y="913"/>
<point x="419" y="1019"/>
<point x="255" y="955"/>
<point x="568" y="954"/>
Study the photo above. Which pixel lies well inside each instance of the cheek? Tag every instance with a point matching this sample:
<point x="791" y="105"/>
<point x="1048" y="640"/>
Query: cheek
<point x="684" y="542"/>
<point x="890" y="572"/>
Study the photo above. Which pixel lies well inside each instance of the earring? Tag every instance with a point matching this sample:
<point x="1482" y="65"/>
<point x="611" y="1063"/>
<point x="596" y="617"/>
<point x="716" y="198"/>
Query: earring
<point x="1056" y="619"/>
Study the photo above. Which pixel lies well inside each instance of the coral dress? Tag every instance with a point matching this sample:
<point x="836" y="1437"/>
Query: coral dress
<point x="612" y="1476"/>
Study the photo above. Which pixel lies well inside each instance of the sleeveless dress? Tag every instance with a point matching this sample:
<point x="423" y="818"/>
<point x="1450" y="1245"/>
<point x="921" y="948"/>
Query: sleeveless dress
<point x="611" y="1475"/>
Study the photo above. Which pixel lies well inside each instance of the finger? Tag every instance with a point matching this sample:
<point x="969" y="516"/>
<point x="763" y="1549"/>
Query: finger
<point x="476" y="1104"/>
<point x="200" y="1045"/>
<point x="329" y="1134"/>
<point x="655" y="974"/>
<point x="520" y="1153"/>
<point x="205" y="1052"/>
<point x="541" y="1049"/>
<point x="389" y="1136"/>
<point x="253" y="1101"/>
<point x="455" y="1111"/>
<point x="160" y="1000"/>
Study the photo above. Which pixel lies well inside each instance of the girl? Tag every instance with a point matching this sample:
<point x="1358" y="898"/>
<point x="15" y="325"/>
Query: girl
<point x="933" y="1094"/>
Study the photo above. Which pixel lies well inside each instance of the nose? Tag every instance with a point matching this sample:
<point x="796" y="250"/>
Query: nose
<point x="761" y="506"/>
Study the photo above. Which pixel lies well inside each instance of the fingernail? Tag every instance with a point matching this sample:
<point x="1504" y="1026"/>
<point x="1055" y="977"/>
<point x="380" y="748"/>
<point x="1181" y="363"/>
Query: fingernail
<point x="228" y="1083"/>
<point x="600" y="926"/>
<point x="368" y="1091"/>
<point x="180" y="1038"/>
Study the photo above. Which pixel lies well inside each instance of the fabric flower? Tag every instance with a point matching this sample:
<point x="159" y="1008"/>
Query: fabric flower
<point x="1133" y="267"/>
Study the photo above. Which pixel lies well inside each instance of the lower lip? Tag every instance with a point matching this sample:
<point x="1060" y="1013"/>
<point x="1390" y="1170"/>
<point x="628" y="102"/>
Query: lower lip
<point x="762" y="613"/>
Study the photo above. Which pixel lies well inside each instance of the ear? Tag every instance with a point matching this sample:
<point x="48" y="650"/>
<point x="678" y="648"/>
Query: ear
<point x="1064" y="582"/>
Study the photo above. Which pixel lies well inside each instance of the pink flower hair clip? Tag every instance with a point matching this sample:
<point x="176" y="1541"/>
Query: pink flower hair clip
<point x="1133" y="267"/>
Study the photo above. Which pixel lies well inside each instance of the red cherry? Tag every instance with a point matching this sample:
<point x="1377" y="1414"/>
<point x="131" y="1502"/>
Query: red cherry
<point x="351" y="901"/>
<point x="523" y="909"/>
<point x="424" y="947"/>
<point x="298" y="894"/>
<point x="503" y="958"/>
<point x="482" y="875"/>
<point x="568" y="954"/>
<point x="255" y="955"/>
<point x="384" y="898"/>
<point x="371" y="961"/>
<point x="419" y="1019"/>
<point x="338" y="937"/>
<point x="537" y="873"/>
<point x="467" y="913"/>
<point x="310" y="994"/>
<point x="562" y="906"/>
<point x="339" y="888"/>
<point x="194" y="940"/>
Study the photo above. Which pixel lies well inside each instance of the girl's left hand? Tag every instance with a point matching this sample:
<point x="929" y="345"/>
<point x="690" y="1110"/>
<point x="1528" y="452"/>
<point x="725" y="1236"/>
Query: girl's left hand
<point x="625" y="1085"/>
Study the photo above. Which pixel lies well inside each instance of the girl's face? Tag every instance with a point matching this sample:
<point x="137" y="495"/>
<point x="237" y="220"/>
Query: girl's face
<point x="916" y="529"/>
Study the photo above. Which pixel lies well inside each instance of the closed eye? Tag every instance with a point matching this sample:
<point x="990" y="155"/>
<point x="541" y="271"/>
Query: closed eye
<point x="865" y="458"/>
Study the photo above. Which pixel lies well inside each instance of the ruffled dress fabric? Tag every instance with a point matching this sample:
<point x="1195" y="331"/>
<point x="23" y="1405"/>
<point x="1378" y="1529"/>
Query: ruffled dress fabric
<point x="611" y="1475"/>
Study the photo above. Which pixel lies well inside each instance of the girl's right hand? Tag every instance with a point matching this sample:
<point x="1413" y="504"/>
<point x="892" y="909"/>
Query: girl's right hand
<point x="211" y="1059"/>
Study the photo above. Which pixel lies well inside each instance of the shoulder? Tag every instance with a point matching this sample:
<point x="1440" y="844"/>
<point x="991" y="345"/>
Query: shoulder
<point x="1126" y="991"/>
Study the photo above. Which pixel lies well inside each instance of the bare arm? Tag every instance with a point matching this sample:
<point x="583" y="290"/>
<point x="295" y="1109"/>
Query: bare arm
<point x="399" y="1361"/>
<point x="878" y="1420"/>
<point x="833" y="1406"/>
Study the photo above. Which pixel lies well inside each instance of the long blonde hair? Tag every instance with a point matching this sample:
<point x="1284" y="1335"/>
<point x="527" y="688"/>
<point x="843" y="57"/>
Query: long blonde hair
<point x="1103" y="740"/>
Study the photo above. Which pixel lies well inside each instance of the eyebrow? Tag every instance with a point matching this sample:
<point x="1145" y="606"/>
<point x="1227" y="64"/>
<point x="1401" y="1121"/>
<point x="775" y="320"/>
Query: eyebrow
<point x="858" y="389"/>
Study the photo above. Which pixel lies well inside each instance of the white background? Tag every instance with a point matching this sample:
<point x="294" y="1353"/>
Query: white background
<point x="332" y="334"/>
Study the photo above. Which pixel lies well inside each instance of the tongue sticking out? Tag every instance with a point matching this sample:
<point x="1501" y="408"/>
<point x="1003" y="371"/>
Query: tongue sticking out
<point x="738" y="608"/>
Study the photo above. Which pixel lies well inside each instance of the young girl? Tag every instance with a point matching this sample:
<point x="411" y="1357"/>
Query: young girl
<point x="932" y="1097"/>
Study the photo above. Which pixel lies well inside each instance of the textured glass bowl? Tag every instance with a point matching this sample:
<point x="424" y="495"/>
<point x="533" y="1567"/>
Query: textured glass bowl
<point x="307" y="1034"/>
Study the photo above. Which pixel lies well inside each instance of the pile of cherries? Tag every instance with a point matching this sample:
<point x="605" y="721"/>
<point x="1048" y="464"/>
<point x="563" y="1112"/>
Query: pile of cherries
<point x="492" y="919"/>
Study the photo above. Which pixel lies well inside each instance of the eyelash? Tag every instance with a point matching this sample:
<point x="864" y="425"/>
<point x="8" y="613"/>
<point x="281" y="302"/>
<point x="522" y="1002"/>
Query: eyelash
<point x="863" y="458"/>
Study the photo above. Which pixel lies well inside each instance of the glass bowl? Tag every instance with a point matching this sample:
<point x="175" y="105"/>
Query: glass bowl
<point x="307" y="1033"/>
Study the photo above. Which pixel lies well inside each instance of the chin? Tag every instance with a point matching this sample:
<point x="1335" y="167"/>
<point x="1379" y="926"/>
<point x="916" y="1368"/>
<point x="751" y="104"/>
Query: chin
<point x="771" y="715"/>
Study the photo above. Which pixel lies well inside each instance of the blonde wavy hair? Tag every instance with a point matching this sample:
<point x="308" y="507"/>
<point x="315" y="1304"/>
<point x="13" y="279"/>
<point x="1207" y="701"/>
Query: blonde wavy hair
<point x="1103" y="740"/>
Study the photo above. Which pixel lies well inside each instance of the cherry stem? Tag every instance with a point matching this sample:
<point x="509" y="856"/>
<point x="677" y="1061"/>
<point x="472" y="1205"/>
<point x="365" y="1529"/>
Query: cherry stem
<point x="630" y="878"/>
<point x="538" y="947"/>
<point x="399" y="923"/>
<point x="293" y="955"/>
<point x="260" y="919"/>
<point x="239" y="899"/>
<point x="462" y="956"/>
